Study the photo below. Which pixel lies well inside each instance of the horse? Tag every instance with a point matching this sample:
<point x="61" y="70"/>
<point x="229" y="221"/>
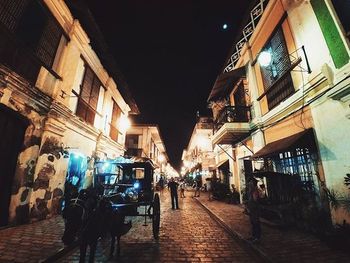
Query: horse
<point x="88" y="218"/>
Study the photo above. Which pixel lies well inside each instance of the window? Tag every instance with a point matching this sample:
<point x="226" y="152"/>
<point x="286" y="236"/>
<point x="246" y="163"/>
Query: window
<point x="276" y="77"/>
<point x="30" y="37"/>
<point x="116" y="113"/>
<point x="299" y="162"/>
<point x="88" y="96"/>
<point x="342" y="8"/>
<point x="132" y="141"/>
<point x="139" y="173"/>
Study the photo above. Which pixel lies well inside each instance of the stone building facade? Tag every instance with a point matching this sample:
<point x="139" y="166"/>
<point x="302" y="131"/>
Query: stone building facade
<point x="145" y="140"/>
<point x="282" y="105"/>
<point x="60" y="108"/>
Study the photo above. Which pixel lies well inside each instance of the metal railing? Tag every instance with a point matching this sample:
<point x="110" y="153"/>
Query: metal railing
<point x="248" y="30"/>
<point x="231" y="114"/>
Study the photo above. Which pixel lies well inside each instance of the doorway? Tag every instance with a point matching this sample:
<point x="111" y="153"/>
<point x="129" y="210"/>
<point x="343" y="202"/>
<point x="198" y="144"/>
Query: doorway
<point x="12" y="130"/>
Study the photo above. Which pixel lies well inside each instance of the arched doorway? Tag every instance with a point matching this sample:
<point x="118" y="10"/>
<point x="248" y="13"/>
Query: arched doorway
<point x="12" y="130"/>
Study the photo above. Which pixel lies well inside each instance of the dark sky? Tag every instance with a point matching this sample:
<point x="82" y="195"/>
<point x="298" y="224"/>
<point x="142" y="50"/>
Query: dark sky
<point x="170" y="52"/>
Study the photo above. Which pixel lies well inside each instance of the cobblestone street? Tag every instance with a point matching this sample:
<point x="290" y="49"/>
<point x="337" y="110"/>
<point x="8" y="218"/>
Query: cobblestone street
<point x="31" y="242"/>
<point x="186" y="235"/>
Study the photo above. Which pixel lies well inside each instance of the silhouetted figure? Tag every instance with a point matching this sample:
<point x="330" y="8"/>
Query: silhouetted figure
<point x="254" y="209"/>
<point x="172" y="185"/>
<point x="87" y="218"/>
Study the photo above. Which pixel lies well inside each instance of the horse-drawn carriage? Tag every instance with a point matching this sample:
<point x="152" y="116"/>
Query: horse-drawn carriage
<point x="128" y="183"/>
<point x="121" y="188"/>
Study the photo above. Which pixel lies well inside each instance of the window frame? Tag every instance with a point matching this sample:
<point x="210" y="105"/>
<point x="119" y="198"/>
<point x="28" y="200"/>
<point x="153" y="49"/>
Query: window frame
<point x="278" y="86"/>
<point x="45" y="52"/>
<point x="114" y="132"/>
<point x="82" y="102"/>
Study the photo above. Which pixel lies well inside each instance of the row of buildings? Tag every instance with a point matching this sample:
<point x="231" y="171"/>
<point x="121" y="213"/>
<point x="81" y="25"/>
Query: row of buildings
<point x="63" y="105"/>
<point x="281" y="110"/>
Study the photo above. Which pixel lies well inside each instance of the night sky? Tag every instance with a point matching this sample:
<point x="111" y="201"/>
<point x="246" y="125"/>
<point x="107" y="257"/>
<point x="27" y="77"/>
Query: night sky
<point x="170" y="53"/>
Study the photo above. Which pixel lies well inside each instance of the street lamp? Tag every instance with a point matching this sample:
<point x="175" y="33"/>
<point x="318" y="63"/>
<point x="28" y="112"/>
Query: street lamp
<point x="265" y="58"/>
<point x="124" y="123"/>
<point x="161" y="158"/>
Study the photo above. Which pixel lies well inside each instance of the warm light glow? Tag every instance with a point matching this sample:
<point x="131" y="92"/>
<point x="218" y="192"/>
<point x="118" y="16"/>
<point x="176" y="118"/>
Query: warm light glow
<point x="161" y="158"/>
<point x="203" y="142"/>
<point x="265" y="58"/>
<point x="124" y="123"/>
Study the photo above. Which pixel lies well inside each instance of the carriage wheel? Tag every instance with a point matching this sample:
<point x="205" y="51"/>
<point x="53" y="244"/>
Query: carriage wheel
<point x="156" y="216"/>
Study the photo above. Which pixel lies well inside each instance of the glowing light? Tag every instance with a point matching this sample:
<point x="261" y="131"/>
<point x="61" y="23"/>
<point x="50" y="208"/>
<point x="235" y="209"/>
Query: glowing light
<point x="224" y="26"/>
<point x="136" y="185"/>
<point x="124" y="123"/>
<point x="105" y="166"/>
<point x="265" y="58"/>
<point x="161" y="158"/>
<point x="203" y="142"/>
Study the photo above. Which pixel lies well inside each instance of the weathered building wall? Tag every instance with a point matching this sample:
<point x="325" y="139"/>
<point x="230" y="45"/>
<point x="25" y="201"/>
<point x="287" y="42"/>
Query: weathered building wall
<point x="31" y="103"/>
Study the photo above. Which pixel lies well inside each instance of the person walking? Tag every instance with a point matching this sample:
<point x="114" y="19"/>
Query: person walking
<point x="254" y="209"/>
<point x="161" y="184"/>
<point x="172" y="186"/>
<point x="182" y="189"/>
<point x="209" y="188"/>
<point x="197" y="185"/>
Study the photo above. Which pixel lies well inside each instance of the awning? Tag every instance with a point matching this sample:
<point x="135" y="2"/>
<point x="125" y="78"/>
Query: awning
<point x="301" y="139"/>
<point x="224" y="83"/>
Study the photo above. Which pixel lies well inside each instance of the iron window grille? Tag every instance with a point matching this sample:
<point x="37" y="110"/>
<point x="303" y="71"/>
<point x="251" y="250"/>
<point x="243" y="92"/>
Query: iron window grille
<point x="277" y="80"/>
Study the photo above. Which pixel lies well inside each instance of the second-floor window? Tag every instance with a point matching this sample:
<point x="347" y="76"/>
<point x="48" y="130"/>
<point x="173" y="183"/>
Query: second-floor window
<point x="88" y="96"/>
<point x="276" y="77"/>
<point x="116" y="114"/>
<point x="132" y="141"/>
<point x="342" y="8"/>
<point x="30" y="37"/>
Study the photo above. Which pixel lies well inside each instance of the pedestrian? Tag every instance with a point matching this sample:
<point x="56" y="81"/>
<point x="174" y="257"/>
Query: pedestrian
<point x="172" y="186"/>
<point x="161" y="184"/>
<point x="254" y="209"/>
<point x="197" y="185"/>
<point x="182" y="189"/>
<point x="209" y="188"/>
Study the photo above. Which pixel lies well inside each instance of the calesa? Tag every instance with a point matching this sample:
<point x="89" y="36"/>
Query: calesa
<point x="122" y="187"/>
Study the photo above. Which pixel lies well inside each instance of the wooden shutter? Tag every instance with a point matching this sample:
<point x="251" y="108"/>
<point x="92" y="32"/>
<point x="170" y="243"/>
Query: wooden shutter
<point x="11" y="11"/>
<point x="87" y="84"/>
<point x="114" y="132"/>
<point x="95" y="92"/>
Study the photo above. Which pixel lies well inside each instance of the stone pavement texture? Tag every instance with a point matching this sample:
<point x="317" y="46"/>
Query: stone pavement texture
<point x="278" y="245"/>
<point x="31" y="242"/>
<point x="186" y="235"/>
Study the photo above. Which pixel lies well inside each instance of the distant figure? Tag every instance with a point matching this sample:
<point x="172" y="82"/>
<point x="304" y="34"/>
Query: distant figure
<point x="172" y="185"/>
<point x="254" y="209"/>
<point x="182" y="189"/>
<point x="161" y="184"/>
<point x="209" y="188"/>
<point x="197" y="186"/>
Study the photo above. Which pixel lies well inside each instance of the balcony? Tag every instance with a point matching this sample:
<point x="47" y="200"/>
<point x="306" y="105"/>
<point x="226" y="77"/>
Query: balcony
<point x="204" y="123"/>
<point x="231" y="125"/>
<point x="134" y="152"/>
